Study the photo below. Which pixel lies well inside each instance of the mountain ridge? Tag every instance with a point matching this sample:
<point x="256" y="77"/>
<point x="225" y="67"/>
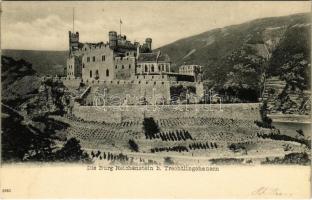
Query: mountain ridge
<point x="212" y="46"/>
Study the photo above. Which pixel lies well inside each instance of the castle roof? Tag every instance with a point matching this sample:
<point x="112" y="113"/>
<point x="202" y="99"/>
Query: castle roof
<point x="153" y="57"/>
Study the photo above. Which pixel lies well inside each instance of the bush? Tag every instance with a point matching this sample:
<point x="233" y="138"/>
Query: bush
<point x="265" y="122"/>
<point x="226" y="161"/>
<point x="292" y="158"/>
<point x="168" y="161"/>
<point x="133" y="145"/>
<point x="286" y="138"/>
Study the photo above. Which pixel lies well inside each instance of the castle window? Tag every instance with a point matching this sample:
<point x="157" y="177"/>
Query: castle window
<point x="83" y="65"/>
<point x="152" y="77"/>
<point x="129" y="66"/>
<point x="158" y="68"/>
<point x="103" y="58"/>
<point x="146" y="68"/>
<point x="85" y="49"/>
<point x="137" y="77"/>
<point x="107" y="72"/>
<point x="90" y="73"/>
<point x="97" y="74"/>
<point x="152" y="68"/>
<point x="88" y="59"/>
<point x="93" y="58"/>
<point x="122" y="66"/>
<point x="115" y="66"/>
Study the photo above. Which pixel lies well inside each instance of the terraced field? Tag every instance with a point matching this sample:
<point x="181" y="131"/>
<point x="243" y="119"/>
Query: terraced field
<point x="180" y="138"/>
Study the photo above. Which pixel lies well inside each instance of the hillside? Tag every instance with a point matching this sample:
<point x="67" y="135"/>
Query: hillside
<point x="43" y="62"/>
<point x="24" y="90"/>
<point x="211" y="49"/>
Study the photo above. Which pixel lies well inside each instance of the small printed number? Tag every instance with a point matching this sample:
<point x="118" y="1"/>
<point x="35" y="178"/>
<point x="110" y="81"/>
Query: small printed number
<point x="6" y="190"/>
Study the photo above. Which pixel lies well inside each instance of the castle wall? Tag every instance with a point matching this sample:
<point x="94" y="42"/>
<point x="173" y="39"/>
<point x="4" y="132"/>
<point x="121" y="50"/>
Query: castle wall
<point x="151" y="77"/>
<point x="74" y="66"/>
<point x="92" y="62"/>
<point x="132" y="92"/>
<point x="248" y="112"/>
<point x="70" y="65"/>
<point x="120" y="91"/>
<point x="124" y="67"/>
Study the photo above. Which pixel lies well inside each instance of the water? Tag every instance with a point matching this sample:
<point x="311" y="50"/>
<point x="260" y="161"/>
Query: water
<point x="289" y="128"/>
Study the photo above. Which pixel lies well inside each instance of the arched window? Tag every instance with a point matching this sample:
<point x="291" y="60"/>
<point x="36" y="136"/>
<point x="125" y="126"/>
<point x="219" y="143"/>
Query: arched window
<point x="152" y="68"/>
<point x="158" y="67"/>
<point x="107" y="72"/>
<point x="90" y="73"/>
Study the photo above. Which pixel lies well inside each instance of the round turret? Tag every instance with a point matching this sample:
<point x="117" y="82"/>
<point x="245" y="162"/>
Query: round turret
<point x="148" y="42"/>
<point x="112" y="39"/>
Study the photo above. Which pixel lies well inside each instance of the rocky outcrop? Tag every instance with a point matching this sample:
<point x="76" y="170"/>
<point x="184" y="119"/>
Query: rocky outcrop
<point x="285" y="101"/>
<point x="25" y="91"/>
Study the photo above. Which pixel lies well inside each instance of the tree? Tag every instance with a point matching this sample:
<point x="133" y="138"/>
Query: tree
<point x="244" y="80"/>
<point x="72" y="152"/>
<point x="133" y="145"/>
<point x="150" y="127"/>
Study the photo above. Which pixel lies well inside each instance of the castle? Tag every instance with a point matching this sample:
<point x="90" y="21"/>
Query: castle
<point x="120" y="60"/>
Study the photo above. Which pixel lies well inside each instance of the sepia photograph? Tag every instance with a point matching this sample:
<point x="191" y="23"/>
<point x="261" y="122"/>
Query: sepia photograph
<point x="111" y="88"/>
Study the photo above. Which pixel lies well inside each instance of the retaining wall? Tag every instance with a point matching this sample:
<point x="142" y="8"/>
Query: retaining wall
<point x="128" y="113"/>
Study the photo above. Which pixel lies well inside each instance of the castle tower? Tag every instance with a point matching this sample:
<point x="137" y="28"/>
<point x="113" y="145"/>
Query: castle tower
<point x="112" y="37"/>
<point x="73" y="41"/>
<point x="148" y="42"/>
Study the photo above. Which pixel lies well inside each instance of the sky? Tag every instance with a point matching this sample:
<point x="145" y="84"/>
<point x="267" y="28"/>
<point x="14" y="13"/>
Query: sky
<point x="45" y="25"/>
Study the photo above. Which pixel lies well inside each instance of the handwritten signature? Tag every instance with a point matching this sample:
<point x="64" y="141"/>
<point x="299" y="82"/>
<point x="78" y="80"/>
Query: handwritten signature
<point x="269" y="191"/>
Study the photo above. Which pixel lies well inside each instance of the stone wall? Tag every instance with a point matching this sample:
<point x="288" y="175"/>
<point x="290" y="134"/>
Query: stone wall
<point x="249" y="112"/>
<point x="129" y="92"/>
